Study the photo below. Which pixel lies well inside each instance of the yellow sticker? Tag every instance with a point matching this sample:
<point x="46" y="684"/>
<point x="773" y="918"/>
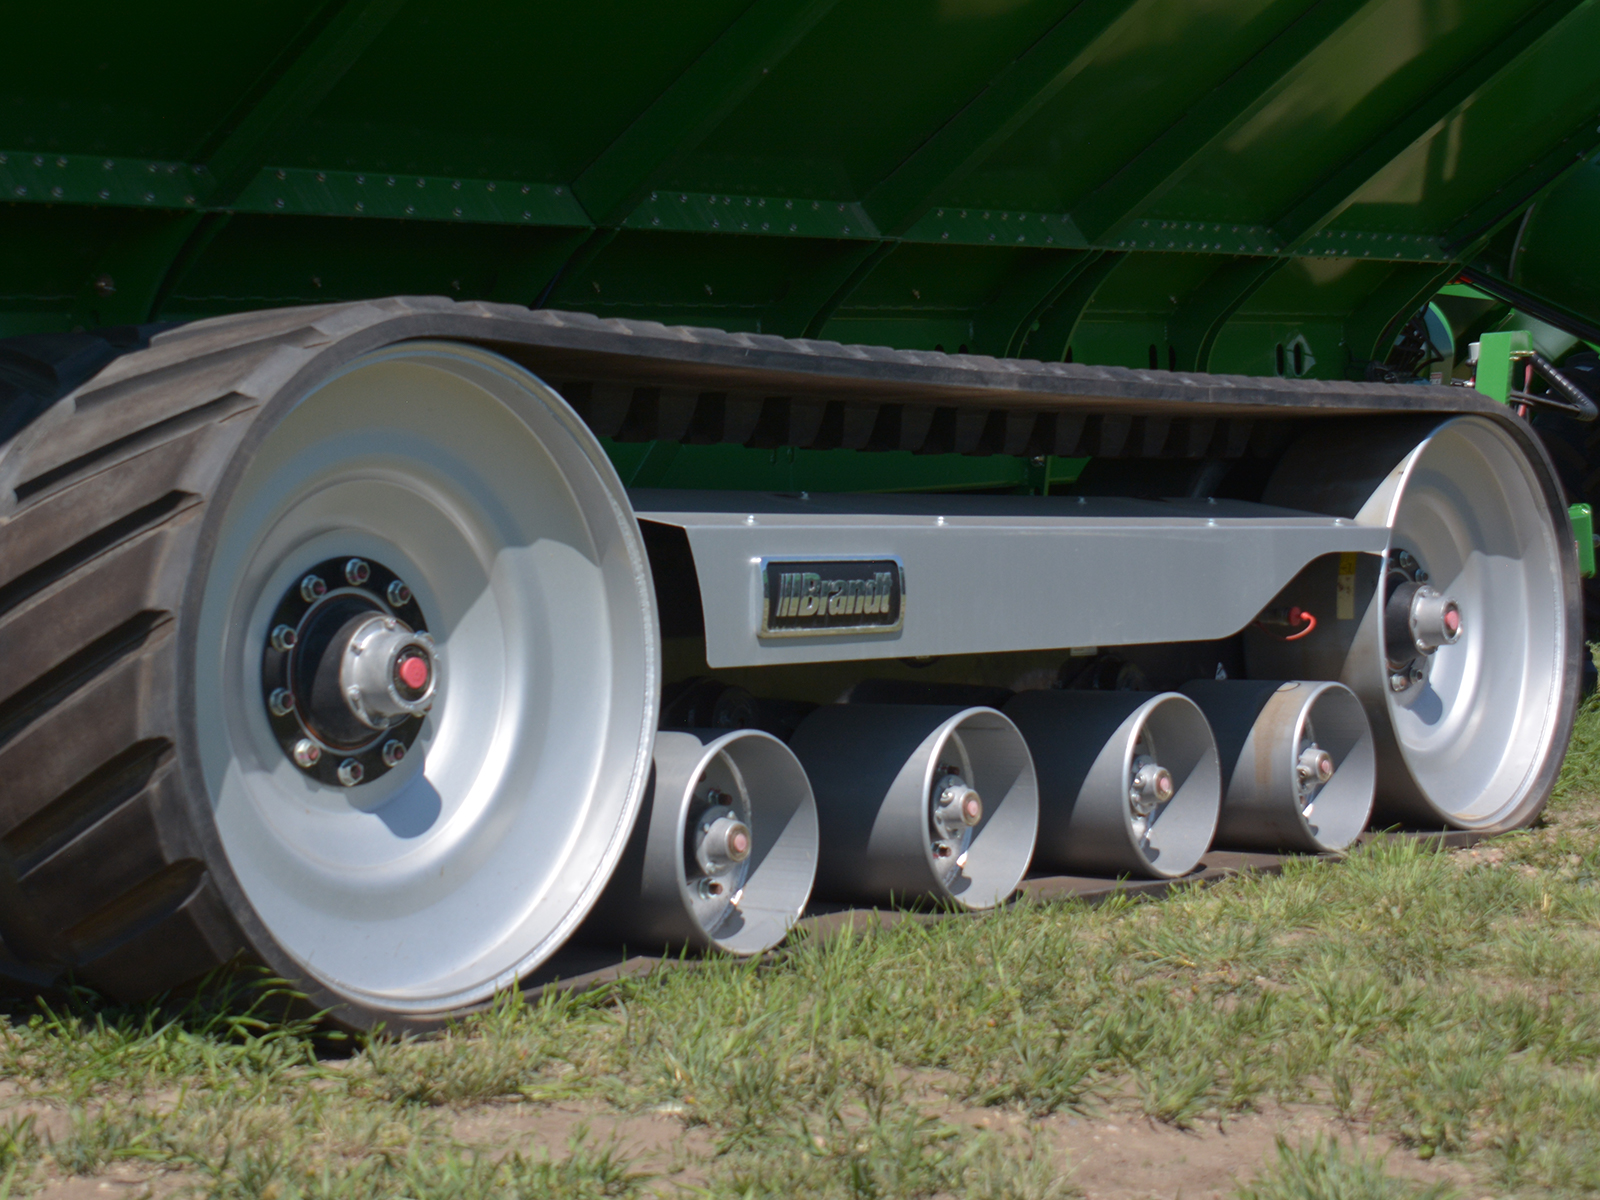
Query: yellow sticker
<point x="1345" y="595"/>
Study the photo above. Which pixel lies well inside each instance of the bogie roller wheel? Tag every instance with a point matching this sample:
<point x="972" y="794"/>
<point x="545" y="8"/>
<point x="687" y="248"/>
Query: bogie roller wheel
<point x="1464" y="640"/>
<point x="329" y="644"/>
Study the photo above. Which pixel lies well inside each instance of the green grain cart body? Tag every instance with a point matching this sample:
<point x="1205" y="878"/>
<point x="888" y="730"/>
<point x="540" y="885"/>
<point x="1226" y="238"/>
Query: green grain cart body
<point x="982" y="436"/>
<point x="1162" y="183"/>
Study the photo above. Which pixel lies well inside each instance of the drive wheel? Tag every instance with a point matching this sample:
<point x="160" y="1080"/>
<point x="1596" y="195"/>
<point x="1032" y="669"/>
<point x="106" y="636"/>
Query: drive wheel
<point x="380" y="705"/>
<point x="1465" y="644"/>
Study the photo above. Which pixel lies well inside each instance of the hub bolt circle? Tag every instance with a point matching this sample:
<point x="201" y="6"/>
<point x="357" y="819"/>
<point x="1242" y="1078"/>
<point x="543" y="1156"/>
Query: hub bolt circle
<point x="399" y="594"/>
<point x="312" y="588"/>
<point x="356" y="572"/>
<point x="281" y="702"/>
<point x="307" y="753"/>
<point x="284" y="637"/>
<point x="351" y="772"/>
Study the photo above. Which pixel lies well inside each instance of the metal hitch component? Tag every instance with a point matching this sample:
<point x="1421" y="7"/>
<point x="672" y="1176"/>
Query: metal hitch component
<point x="724" y="851"/>
<point x="1298" y="762"/>
<point x="1105" y="761"/>
<point x="918" y="800"/>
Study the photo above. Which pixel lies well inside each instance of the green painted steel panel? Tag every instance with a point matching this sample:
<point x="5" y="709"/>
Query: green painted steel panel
<point x="1188" y="183"/>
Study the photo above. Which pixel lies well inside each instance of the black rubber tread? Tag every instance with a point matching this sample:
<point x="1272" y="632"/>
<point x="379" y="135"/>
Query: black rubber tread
<point x="101" y="873"/>
<point x="110" y="868"/>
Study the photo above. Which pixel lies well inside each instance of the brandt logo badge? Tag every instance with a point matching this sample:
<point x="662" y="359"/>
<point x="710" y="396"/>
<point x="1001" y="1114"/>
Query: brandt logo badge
<point x="823" y="597"/>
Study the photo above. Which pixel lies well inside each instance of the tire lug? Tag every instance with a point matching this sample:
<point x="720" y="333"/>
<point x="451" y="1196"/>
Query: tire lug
<point x="399" y="594"/>
<point x="394" y="752"/>
<point x="284" y="637"/>
<point x="357" y="572"/>
<point x="312" y="589"/>
<point x="307" y="753"/>
<point x="281" y="702"/>
<point x="351" y="772"/>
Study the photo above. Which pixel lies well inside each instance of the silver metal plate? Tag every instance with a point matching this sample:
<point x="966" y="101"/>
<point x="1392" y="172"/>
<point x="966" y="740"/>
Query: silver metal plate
<point x="818" y="597"/>
<point x="1001" y="573"/>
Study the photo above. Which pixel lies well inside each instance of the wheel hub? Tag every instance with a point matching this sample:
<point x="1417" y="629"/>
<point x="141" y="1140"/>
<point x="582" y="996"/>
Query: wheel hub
<point x="957" y="808"/>
<point x="1417" y="620"/>
<point x="349" y="671"/>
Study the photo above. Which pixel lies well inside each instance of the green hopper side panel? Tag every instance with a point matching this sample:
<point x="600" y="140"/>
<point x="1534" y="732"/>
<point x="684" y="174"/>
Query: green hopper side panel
<point x="1256" y="186"/>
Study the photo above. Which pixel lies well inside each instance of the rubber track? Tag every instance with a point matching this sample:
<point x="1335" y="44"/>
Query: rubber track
<point x="104" y="496"/>
<point x="102" y="876"/>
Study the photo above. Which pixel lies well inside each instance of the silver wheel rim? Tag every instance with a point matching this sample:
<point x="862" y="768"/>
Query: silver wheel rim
<point x="1476" y="733"/>
<point x="468" y="864"/>
<point x="1175" y="836"/>
<point x="768" y="891"/>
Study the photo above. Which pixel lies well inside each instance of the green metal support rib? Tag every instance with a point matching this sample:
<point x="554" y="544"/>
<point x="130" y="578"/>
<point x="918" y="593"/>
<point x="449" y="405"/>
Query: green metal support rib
<point x="1014" y="95"/>
<point x="683" y="116"/>
<point x="300" y="78"/>
<point x="1514" y="196"/>
<point x="1340" y="188"/>
<point x="1008" y="315"/>
<point x="817" y="291"/>
<point x="1051" y="335"/>
<point x="1211" y="120"/>
<point x="1193" y="328"/>
<point x="1370" y="329"/>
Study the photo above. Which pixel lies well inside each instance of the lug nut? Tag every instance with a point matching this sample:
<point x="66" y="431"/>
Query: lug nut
<point x="399" y="594"/>
<point x="710" y="889"/>
<point x="351" y="772"/>
<point x="1315" y="766"/>
<point x="1399" y="681"/>
<point x="942" y="850"/>
<point x="312" y="588"/>
<point x="284" y="637"/>
<point x="281" y="702"/>
<point x="356" y="572"/>
<point x="393" y="752"/>
<point x="307" y="753"/>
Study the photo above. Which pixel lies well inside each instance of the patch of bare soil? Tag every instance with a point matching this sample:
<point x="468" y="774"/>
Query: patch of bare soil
<point x="1125" y="1157"/>
<point x="655" y="1143"/>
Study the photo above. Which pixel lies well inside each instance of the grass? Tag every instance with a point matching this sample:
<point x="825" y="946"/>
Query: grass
<point x="1447" y="1005"/>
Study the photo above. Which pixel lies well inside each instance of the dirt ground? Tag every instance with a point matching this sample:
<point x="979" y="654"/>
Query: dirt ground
<point x="1105" y="1158"/>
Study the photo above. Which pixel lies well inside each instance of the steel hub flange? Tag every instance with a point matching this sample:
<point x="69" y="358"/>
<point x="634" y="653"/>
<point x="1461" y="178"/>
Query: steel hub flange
<point x="1150" y="787"/>
<point x="717" y="852"/>
<point x="1417" y="620"/>
<point x="955" y="810"/>
<point x="349" y="671"/>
